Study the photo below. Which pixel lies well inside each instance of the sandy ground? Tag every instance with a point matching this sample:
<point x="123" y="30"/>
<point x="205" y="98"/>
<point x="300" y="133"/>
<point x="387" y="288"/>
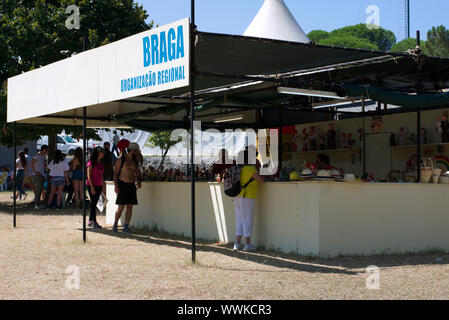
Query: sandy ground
<point x="34" y="258"/>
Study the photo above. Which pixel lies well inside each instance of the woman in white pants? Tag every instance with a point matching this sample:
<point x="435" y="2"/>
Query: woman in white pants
<point x="244" y="206"/>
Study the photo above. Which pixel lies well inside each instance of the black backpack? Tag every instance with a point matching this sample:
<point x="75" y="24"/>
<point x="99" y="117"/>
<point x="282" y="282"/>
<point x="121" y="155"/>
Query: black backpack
<point x="231" y="181"/>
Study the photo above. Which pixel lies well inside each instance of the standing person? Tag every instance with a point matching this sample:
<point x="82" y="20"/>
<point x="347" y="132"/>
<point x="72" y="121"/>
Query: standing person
<point x="76" y="165"/>
<point x="21" y="167"/>
<point x="39" y="165"/>
<point x="29" y="170"/>
<point x="115" y="140"/>
<point x="109" y="161"/>
<point x="59" y="175"/>
<point x="219" y="167"/>
<point x="244" y="203"/>
<point x="125" y="173"/>
<point x="95" y="169"/>
<point x="10" y="176"/>
<point x="323" y="162"/>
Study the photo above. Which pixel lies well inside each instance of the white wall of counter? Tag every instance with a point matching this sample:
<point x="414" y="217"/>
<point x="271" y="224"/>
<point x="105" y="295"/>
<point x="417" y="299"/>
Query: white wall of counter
<point x="310" y="218"/>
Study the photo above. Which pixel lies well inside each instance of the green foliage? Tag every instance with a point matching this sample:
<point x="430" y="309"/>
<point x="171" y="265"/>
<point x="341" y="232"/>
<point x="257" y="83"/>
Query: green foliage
<point x="404" y="45"/>
<point x="358" y="36"/>
<point x="161" y="140"/>
<point x="438" y="42"/>
<point x="33" y="34"/>
<point x="349" y="42"/>
<point x="382" y="38"/>
<point x="317" y="35"/>
<point x="409" y="44"/>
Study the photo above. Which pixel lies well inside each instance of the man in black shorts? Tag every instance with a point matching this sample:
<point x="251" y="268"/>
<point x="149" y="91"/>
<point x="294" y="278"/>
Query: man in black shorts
<point x="125" y="174"/>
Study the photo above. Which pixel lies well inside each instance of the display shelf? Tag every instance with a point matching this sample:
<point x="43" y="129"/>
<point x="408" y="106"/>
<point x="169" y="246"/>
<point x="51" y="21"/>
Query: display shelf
<point x="410" y="146"/>
<point x="323" y="151"/>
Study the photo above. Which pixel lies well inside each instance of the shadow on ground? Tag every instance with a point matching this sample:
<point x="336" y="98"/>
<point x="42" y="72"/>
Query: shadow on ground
<point x="24" y="208"/>
<point x="292" y="262"/>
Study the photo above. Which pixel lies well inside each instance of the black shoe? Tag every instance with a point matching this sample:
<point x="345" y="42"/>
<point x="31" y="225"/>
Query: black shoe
<point x="96" y="225"/>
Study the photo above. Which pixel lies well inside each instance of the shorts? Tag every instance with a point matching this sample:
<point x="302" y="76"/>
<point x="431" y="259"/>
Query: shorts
<point x="127" y="193"/>
<point x="57" y="181"/>
<point x="77" y="175"/>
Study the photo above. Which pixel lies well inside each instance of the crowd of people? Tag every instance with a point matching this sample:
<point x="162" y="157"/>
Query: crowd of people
<point x="58" y="181"/>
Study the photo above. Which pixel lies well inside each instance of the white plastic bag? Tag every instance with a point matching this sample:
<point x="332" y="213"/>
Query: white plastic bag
<point x="102" y="202"/>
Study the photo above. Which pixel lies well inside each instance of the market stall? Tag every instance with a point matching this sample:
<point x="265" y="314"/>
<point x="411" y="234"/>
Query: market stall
<point x="230" y="82"/>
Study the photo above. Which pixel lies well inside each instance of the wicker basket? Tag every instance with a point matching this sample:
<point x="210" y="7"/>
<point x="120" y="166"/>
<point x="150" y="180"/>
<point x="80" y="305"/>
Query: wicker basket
<point x="427" y="170"/>
<point x="426" y="175"/>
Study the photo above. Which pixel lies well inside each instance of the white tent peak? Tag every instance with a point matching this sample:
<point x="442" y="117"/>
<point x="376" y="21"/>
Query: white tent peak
<point x="275" y="21"/>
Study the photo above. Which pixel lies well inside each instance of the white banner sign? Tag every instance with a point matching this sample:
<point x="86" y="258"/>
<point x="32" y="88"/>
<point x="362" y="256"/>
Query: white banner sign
<point x="149" y="62"/>
<point x="154" y="61"/>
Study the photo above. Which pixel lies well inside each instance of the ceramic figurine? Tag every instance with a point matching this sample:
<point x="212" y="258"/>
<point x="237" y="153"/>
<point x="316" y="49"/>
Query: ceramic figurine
<point x="444" y="129"/>
<point x="304" y="140"/>
<point x="343" y="141"/>
<point x="296" y="141"/>
<point x="351" y="141"/>
<point x="401" y="136"/>
<point x="312" y="139"/>
<point x="438" y="126"/>
<point x="412" y="139"/>
<point x="331" y="137"/>
<point x="360" y="134"/>
<point x="322" y="142"/>
<point x="423" y="136"/>
<point x="392" y="140"/>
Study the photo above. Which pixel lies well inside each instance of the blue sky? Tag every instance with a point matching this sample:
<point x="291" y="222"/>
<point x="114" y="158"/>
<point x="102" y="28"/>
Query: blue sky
<point x="234" y="16"/>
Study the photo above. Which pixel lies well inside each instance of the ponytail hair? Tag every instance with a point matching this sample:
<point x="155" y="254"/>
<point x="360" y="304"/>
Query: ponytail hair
<point x="23" y="160"/>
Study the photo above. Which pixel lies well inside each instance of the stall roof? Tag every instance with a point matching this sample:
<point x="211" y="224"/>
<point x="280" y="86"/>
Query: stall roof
<point x="228" y="65"/>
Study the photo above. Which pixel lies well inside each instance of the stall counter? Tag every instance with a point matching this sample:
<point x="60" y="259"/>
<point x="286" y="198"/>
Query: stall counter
<point x="316" y="218"/>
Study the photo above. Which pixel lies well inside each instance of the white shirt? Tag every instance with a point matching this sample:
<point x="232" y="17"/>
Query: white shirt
<point x="58" y="169"/>
<point x="19" y="165"/>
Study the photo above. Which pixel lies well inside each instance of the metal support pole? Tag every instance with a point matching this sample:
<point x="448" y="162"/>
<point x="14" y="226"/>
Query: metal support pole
<point x="280" y="141"/>
<point x="418" y="127"/>
<point x="363" y="137"/>
<point x="84" y="153"/>
<point x="407" y="19"/>
<point x="14" y="175"/>
<point x="84" y="173"/>
<point x="418" y="146"/>
<point x="192" y="119"/>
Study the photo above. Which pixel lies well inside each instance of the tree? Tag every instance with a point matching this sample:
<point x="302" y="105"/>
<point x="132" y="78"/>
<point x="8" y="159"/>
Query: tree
<point x="317" y="35"/>
<point x="358" y="36"/>
<point x="162" y="141"/>
<point x="438" y="42"/>
<point x="349" y="42"/>
<point x="33" y="34"/>
<point x="408" y="44"/>
<point x="382" y="38"/>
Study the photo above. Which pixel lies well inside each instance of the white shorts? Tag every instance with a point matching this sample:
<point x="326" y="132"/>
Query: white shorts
<point x="244" y="214"/>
